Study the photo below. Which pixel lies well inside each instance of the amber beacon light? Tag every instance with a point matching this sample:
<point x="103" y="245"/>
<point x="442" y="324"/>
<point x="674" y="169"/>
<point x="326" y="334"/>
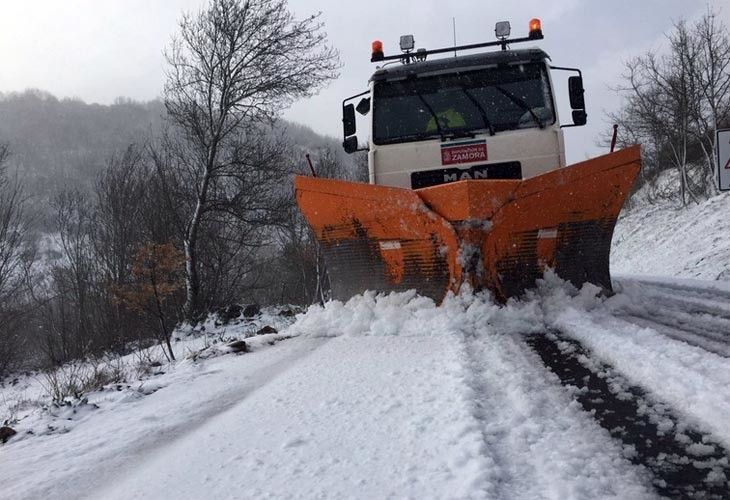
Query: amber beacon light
<point x="535" y="29"/>
<point x="377" y="53"/>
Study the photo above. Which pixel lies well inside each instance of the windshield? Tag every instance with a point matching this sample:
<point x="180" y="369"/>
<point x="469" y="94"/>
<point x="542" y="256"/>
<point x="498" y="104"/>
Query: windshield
<point x="459" y="104"/>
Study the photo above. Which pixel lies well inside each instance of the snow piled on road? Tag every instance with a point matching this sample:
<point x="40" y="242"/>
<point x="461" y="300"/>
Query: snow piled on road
<point x="378" y="397"/>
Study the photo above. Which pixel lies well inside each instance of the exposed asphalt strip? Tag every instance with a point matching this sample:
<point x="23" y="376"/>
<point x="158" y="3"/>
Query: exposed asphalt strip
<point x="685" y="462"/>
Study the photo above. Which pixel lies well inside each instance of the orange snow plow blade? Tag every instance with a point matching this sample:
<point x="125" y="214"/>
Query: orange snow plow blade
<point x="379" y="238"/>
<point x="496" y="234"/>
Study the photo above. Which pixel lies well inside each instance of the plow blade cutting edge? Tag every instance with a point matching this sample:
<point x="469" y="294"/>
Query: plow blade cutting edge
<point x="496" y="234"/>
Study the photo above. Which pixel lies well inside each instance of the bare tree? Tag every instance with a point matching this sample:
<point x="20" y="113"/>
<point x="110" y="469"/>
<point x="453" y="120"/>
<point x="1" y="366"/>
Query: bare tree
<point x="713" y="74"/>
<point x="73" y="311"/>
<point x="13" y="261"/>
<point x="675" y="102"/>
<point x="100" y="238"/>
<point x="235" y="63"/>
<point x="661" y="97"/>
<point x="118" y="227"/>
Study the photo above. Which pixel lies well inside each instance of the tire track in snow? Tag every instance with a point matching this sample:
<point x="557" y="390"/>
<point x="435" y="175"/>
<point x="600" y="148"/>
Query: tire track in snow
<point x="682" y="288"/>
<point x="695" y="315"/>
<point x="685" y="462"/>
<point x="541" y="442"/>
<point x="693" y="337"/>
<point x="484" y="408"/>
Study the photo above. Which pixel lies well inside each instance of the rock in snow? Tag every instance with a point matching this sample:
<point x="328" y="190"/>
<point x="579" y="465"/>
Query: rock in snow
<point x="267" y="330"/>
<point x="238" y="346"/>
<point x="251" y="310"/>
<point x="6" y="433"/>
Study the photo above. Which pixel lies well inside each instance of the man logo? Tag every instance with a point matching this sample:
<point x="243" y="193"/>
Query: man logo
<point x="466" y="175"/>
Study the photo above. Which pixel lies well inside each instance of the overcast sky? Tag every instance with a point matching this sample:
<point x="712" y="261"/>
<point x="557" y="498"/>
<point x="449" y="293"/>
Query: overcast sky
<point x="101" y="49"/>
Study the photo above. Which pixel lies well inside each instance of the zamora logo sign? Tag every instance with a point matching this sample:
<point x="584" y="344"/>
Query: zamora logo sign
<point x="463" y="153"/>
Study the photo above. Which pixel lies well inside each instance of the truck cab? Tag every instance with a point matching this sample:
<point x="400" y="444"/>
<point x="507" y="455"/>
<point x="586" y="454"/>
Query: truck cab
<point x="490" y="115"/>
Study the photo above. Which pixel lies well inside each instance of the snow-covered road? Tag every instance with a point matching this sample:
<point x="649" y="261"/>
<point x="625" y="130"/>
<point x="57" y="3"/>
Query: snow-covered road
<point x="107" y="443"/>
<point x="407" y="417"/>
<point x="392" y="397"/>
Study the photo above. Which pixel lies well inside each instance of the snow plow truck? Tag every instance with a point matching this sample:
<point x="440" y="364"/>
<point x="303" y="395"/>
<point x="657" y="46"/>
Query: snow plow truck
<point x="468" y="181"/>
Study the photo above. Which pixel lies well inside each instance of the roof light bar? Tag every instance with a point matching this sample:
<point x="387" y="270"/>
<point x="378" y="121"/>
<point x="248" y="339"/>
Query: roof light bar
<point x="535" y="33"/>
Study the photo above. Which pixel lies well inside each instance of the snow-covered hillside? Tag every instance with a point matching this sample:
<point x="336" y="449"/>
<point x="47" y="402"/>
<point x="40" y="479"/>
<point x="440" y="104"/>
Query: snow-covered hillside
<point x="663" y="239"/>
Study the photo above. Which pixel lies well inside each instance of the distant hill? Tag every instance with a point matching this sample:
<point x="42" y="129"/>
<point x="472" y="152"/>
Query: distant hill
<point x="57" y="143"/>
<point x="61" y="143"/>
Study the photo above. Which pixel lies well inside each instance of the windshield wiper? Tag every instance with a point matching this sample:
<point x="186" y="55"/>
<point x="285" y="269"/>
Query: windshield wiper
<point x="522" y="104"/>
<point x="482" y="112"/>
<point x="408" y="137"/>
<point x="440" y="131"/>
<point x="457" y="134"/>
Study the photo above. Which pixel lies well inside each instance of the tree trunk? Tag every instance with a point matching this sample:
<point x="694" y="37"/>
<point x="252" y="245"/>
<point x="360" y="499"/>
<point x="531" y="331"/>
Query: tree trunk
<point x="192" y="282"/>
<point x="192" y="308"/>
<point x="165" y="331"/>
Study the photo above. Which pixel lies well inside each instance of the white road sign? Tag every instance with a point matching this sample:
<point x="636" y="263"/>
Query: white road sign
<point x="723" y="158"/>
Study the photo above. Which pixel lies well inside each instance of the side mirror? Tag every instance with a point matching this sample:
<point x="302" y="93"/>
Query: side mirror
<point x="350" y="144"/>
<point x="348" y="120"/>
<point x="575" y="90"/>
<point x="579" y="117"/>
<point x="363" y="107"/>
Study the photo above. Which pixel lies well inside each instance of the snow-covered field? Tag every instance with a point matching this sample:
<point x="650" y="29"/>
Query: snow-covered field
<point x="393" y="397"/>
